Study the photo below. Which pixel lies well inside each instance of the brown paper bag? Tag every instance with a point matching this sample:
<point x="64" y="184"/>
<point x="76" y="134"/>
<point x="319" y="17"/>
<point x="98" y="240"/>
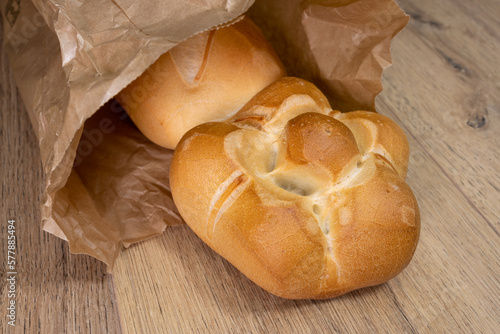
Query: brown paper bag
<point x="106" y="184"/>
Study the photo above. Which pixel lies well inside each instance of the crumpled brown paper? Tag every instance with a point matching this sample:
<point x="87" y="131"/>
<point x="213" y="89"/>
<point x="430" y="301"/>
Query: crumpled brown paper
<point x="341" y="45"/>
<point x="107" y="185"/>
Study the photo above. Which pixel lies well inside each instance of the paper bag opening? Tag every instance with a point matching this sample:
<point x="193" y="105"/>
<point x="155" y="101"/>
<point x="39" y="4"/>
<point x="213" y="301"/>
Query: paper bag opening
<point x="107" y="185"/>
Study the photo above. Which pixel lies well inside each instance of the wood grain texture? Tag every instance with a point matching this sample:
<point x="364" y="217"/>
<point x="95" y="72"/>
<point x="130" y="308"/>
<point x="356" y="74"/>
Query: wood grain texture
<point x="443" y="89"/>
<point x="57" y="292"/>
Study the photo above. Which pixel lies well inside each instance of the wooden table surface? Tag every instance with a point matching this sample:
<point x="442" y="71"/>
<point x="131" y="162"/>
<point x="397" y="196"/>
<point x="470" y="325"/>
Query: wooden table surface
<point x="443" y="89"/>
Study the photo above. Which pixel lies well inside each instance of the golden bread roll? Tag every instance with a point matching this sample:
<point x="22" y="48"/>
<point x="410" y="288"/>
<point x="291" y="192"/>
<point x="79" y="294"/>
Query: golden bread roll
<point x="208" y="77"/>
<point x="305" y="201"/>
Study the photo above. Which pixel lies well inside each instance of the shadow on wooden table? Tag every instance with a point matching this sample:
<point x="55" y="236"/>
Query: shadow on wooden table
<point x="191" y="288"/>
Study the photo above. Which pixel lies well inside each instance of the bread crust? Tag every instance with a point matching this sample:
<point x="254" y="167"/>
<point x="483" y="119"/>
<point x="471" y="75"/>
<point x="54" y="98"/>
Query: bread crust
<point x="307" y="202"/>
<point x="208" y="77"/>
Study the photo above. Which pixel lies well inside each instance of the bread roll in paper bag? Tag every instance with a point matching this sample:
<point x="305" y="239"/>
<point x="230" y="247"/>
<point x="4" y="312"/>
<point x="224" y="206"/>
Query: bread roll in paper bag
<point x="107" y="185"/>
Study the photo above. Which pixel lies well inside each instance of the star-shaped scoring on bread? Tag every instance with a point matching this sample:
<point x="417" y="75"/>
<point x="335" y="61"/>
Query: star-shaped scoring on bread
<point x="306" y="201"/>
